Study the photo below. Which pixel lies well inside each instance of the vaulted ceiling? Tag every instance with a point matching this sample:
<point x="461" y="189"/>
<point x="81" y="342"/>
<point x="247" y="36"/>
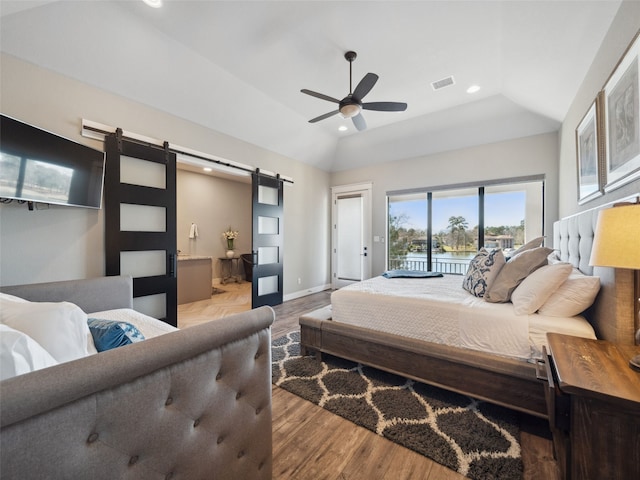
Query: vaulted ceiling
<point x="238" y="67"/>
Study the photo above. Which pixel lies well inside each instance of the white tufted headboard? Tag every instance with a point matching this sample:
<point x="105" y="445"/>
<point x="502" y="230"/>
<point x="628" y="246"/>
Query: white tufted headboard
<point x="613" y="314"/>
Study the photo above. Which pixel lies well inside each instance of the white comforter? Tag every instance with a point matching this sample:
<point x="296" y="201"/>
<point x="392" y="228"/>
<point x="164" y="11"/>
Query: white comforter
<point x="438" y="310"/>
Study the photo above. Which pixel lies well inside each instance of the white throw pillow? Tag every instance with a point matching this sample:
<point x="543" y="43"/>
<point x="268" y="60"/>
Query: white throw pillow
<point x="573" y="297"/>
<point x="11" y="298"/>
<point x="60" y="328"/>
<point x="534" y="290"/>
<point x="19" y="353"/>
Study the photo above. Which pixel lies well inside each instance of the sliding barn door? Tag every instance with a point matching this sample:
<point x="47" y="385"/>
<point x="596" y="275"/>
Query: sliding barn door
<point x="267" y="238"/>
<point x="140" y="223"/>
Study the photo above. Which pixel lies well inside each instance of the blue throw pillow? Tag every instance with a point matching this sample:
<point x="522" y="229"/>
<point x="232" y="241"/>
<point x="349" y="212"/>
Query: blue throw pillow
<point x="108" y="334"/>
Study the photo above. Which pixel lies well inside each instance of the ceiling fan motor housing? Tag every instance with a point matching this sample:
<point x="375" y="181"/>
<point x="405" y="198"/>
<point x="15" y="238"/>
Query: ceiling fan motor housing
<point x="350" y="107"/>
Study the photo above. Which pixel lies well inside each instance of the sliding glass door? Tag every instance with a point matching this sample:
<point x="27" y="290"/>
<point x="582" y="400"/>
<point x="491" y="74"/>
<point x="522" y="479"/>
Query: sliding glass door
<point x="441" y="229"/>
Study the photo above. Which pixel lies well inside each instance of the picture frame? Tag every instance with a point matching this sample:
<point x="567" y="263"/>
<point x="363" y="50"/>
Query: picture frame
<point x="589" y="153"/>
<point x="621" y="109"/>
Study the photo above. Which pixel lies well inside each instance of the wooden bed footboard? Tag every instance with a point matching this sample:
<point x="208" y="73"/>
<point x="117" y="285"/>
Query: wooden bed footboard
<point x="503" y="381"/>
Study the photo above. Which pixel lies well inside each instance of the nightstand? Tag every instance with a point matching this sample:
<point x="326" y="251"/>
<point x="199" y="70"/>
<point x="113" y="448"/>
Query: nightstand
<point x="593" y="400"/>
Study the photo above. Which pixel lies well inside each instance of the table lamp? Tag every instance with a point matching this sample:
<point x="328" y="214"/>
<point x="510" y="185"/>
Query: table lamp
<point x="616" y="243"/>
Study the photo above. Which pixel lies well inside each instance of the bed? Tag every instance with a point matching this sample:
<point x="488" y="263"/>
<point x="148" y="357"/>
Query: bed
<point x="512" y="378"/>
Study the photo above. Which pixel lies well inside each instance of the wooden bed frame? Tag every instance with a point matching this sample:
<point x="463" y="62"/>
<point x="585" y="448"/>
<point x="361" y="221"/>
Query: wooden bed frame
<point x="512" y="383"/>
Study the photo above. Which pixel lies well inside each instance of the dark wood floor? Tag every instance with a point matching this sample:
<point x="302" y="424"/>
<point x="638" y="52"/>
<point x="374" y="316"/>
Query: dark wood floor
<point x="312" y="443"/>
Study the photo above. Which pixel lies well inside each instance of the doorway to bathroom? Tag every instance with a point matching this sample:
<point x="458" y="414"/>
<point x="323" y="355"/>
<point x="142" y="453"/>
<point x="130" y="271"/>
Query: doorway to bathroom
<point x="214" y="207"/>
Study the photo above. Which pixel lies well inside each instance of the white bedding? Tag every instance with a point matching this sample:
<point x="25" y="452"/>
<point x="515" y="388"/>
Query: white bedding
<point x="438" y="310"/>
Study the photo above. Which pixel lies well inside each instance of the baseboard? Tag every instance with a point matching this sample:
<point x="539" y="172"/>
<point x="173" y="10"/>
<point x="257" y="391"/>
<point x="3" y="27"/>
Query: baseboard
<point x="304" y="293"/>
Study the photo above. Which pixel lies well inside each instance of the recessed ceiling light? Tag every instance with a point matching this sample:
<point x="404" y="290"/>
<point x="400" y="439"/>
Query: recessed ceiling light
<point x="207" y="169"/>
<point x="342" y="128"/>
<point x="473" y="89"/>
<point x="153" y="3"/>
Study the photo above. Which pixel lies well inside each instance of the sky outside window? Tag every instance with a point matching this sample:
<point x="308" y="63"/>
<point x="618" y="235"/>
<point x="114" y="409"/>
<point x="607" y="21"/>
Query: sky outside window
<point x="506" y="208"/>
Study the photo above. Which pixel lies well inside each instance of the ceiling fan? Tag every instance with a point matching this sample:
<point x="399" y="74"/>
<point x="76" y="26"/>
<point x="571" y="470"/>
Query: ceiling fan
<point x="351" y="106"/>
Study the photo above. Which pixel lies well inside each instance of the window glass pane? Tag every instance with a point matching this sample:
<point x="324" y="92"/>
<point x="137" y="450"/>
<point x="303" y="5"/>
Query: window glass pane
<point x="142" y="218"/>
<point x="455" y="229"/>
<point x="145" y="263"/>
<point x="136" y="171"/>
<point x="267" y="255"/>
<point x="267" y="285"/>
<point x="513" y="215"/>
<point x="153" y="305"/>
<point x="267" y="195"/>
<point x="407" y="241"/>
<point x="268" y="225"/>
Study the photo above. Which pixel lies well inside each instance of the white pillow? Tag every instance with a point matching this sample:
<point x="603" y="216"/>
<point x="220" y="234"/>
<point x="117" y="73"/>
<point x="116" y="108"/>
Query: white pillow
<point x="60" y="328"/>
<point x="534" y="290"/>
<point x="19" y="354"/>
<point x="11" y="298"/>
<point x="573" y="297"/>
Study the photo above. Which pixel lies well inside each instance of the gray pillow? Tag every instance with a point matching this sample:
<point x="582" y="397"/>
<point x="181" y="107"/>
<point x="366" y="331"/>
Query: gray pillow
<point x="535" y="243"/>
<point x="514" y="272"/>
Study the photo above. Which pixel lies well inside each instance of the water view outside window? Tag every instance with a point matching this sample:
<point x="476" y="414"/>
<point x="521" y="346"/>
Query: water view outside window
<point x="449" y="239"/>
<point x="513" y="215"/>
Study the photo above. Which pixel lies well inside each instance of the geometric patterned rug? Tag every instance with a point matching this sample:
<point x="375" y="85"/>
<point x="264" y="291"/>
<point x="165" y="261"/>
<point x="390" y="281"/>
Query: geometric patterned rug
<point x="477" y="439"/>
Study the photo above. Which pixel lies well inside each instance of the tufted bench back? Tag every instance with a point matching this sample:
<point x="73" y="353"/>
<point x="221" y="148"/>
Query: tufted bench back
<point x="192" y="404"/>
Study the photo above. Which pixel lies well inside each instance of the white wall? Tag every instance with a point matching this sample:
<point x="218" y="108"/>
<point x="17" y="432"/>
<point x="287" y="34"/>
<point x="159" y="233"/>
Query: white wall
<point x="535" y="155"/>
<point x="622" y="30"/>
<point x="68" y="243"/>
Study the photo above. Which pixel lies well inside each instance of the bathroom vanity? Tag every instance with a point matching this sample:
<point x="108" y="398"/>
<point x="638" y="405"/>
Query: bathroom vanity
<point x="195" y="278"/>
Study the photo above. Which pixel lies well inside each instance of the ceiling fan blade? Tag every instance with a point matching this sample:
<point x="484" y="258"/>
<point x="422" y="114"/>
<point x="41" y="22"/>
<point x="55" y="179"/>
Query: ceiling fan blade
<point x="385" y="106"/>
<point x="365" y="86"/>
<point x="320" y="95"/>
<point x="322" y="117"/>
<point x="359" y="122"/>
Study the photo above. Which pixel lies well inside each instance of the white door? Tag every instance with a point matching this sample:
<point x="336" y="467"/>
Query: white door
<point x="351" y="239"/>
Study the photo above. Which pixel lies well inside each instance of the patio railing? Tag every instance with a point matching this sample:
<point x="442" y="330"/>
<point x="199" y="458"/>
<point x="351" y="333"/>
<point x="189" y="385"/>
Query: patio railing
<point x="442" y="265"/>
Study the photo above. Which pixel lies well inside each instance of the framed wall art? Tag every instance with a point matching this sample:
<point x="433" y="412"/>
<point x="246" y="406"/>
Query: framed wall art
<point x="622" y="120"/>
<point x="588" y="153"/>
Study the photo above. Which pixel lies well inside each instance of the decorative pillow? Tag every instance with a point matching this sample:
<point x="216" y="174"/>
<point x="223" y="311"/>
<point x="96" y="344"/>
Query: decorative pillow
<point x="531" y="244"/>
<point x="514" y="272"/>
<point x="482" y="271"/>
<point x="573" y="297"/>
<point x="534" y="290"/>
<point x="19" y="353"/>
<point x="108" y="334"/>
<point x="60" y="328"/>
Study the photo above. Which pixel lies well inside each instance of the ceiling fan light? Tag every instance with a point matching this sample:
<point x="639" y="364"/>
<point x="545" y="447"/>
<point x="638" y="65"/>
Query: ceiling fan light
<point x="350" y="110"/>
<point x="153" y="3"/>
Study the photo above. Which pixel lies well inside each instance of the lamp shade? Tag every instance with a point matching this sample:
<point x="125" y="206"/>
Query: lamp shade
<point x="616" y="241"/>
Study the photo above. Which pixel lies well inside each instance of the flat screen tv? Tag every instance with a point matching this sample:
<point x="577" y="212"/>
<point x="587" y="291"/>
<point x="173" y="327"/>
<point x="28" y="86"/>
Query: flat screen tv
<point x="39" y="166"/>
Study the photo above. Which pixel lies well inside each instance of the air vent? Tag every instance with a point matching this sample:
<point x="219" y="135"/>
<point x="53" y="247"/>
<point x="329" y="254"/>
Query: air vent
<point x="445" y="82"/>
